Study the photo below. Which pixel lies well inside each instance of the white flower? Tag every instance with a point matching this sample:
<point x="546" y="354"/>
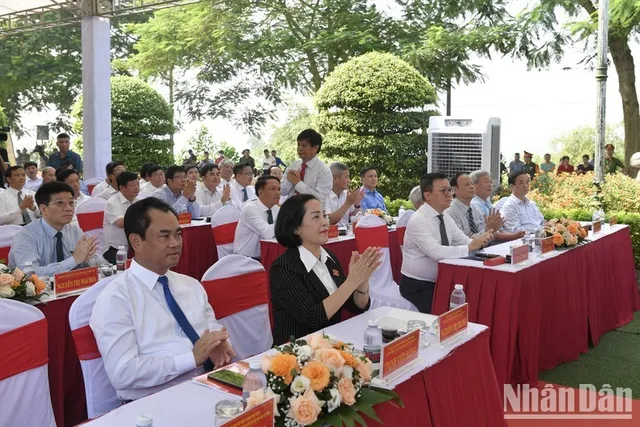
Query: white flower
<point x="7" y="292"/>
<point x="300" y="384"/>
<point x="335" y="401"/>
<point x="347" y="372"/>
<point x="30" y="288"/>
<point x="303" y="352"/>
<point x="3" y="268"/>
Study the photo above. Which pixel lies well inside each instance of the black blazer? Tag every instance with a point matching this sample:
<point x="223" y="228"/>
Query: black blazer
<point x="297" y="295"/>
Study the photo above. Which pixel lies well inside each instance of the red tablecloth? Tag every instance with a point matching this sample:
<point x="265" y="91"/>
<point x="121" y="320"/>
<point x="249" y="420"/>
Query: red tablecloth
<point x="198" y="251"/>
<point x="545" y="315"/>
<point x="65" y="375"/>
<point x="269" y="251"/>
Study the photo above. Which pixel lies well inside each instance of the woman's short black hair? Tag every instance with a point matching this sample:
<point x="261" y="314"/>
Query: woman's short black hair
<point x="290" y="218"/>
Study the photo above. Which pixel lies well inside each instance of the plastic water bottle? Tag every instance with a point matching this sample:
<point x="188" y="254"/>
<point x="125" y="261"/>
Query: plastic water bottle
<point x="457" y="297"/>
<point x="254" y="380"/>
<point x="28" y="269"/>
<point x="121" y="258"/>
<point x="540" y="235"/>
<point x="373" y="343"/>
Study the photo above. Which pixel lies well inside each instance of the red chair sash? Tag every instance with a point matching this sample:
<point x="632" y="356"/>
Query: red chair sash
<point x="400" y="231"/>
<point x="225" y="233"/>
<point x="4" y="254"/>
<point x="371" y="237"/>
<point x="23" y="349"/>
<point x="90" y="187"/>
<point x="232" y="295"/>
<point x="85" y="341"/>
<point x="90" y="220"/>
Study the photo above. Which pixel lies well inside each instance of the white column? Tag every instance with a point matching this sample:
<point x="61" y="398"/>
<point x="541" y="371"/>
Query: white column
<point x="96" y="95"/>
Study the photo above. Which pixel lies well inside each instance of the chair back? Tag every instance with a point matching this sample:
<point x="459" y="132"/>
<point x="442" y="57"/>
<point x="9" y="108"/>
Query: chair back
<point x="92" y="182"/>
<point x="238" y="291"/>
<point x="24" y="375"/>
<point x="500" y="203"/>
<point x="223" y="226"/>
<point x="401" y="225"/>
<point x="90" y="216"/>
<point x="7" y="233"/>
<point x="101" y="396"/>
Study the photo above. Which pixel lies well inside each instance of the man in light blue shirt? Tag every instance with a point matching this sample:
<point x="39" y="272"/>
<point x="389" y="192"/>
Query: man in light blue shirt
<point x="51" y="244"/>
<point x="520" y="213"/>
<point x="372" y="199"/>
<point x="179" y="193"/>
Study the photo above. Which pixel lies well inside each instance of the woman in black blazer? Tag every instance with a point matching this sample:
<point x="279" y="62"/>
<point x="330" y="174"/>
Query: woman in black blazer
<point x="308" y="286"/>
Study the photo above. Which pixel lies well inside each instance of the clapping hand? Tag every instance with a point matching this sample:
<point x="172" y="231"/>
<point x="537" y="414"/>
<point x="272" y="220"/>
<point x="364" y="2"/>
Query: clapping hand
<point x="361" y="267"/>
<point x="226" y="193"/>
<point x="27" y="203"/>
<point x="85" y="249"/>
<point x="223" y="353"/>
<point x="293" y="176"/>
<point x="189" y="190"/>
<point x="207" y="344"/>
<point x="481" y="240"/>
<point x="493" y="221"/>
<point x="354" y="197"/>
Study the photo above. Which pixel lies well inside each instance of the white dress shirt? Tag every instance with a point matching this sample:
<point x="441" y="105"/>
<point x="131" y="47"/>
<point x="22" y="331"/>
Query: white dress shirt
<point x="143" y="348"/>
<point x="237" y="195"/>
<point x="100" y="187"/>
<point x="319" y="266"/>
<point x="267" y="162"/>
<point x="485" y="205"/>
<point x="148" y="190"/>
<point x="209" y="201"/>
<point x="458" y="211"/>
<point x="115" y="209"/>
<point x="142" y="182"/>
<point x="317" y="180"/>
<point x="521" y="215"/>
<point x="107" y="193"/>
<point x="252" y="227"/>
<point x="33" y="184"/>
<point x="423" y="247"/>
<point x="333" y="204"/>
<point x="10" y="212"/>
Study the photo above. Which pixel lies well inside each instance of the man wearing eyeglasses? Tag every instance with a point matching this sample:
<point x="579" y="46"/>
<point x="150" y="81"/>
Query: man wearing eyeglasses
<point x="179" y="193"/>
<point x="241" y="189"/>
<point x="52" y="244"/>
<point x="431" y="236"/>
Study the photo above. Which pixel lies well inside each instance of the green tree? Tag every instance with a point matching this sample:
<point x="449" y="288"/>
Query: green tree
<point x="3" y="118"/>
<point x="581" y="141"/>
<point x="141" y="121"/>
<point x="204" y="141"/>
<point x="374" y="111"/>
<point x="283" y="138"/>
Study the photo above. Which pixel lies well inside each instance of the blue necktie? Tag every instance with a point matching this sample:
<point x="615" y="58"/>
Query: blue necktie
<point x="246" y="196"/>
<point x="182" y="320"/>
<point x="59" y="251"/>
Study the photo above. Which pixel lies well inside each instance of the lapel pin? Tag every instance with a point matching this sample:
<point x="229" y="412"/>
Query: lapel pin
<point x="336" y="273"/>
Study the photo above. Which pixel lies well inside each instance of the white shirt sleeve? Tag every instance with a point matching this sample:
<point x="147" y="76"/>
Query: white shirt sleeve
<point x="256" y="220"/>
<point x="429" y="243"/>
<point x="511" y="217"/>
<point x="113" y="211"/>
<point x="9" y="211"/>
<point x="324" y="184"/>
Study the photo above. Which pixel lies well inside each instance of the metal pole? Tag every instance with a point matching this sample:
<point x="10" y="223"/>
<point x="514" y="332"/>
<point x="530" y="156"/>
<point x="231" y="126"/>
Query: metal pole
<point x="601" y="79"/>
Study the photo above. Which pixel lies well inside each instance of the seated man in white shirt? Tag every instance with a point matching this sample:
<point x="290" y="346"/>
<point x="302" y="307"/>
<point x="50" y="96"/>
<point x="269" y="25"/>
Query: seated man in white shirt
<point x="415" y="197"/>
<point x="520" y="213"/>
<point x="193" y="173"/>
<point x="48" y="174"/>
<point x="208" y="195"/>
<point x="241" y="189"/>
<point x="114" y="212"/>
<point x="275" y="171"/>
<point x="258" y="218"/>
<point x="431" y="236"/>
<point x="113" y="170"/>
<point x="342" y="203"/>
<point x="71" y="178"/>
<point x="145" y="174"/>
<point x="99" y="188"/>
<point x="33" y="180"/>
<point x="226" y="172"/>
<point x="155" y="177"/>
<point x="308" y="174"/>
<point x="154" y="327"/>
<point x="52" y="244"/>
<point x="17" y="204"/>
<point x="470" y="218"/>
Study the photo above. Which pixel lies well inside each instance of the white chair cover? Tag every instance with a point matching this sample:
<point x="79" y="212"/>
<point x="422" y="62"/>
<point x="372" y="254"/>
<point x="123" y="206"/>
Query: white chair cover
<point x="101" y="396"/>
<point x="224" y="216"/>
<point x="7" y="233"/>
<point x="94" y="204"/>
<point x="25" y="397"/>
<point x="500" y="203"/>
<point x="250" y="329"/>
<point x="383" y="291"/>
<point x="401" y="225"/>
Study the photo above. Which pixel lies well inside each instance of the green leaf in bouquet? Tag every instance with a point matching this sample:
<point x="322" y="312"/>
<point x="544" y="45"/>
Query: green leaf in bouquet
<point x="358" y="418"/>
<point x="369" y="412"/>
<point x="396" y="398"/>
<point x="347" y="419"/>
<point x="371" y="397"/>
<point x="333" y="419"/>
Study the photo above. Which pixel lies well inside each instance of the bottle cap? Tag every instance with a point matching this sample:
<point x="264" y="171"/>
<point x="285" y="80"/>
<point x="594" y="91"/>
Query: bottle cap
<point x="121" y="247"/>
<point x="459" y="287"/>
<point x="144" y="421"/>
<point x="256" y="364"/>
<point x="373" y="322"/>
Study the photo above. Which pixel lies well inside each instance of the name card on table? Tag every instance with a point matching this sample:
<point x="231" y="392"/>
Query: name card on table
<point x="261" y="415"/>
<point x="596" y="226"/>
<point x="547" y="245"/>
<point x="333" y="231"/>
<point x="399" y="353"/>
<point x="75" y="280"/>
<point x="613" y="220"/>
<point x="453" y="323"/>
<point x="519" y="254"/>
<point x="184" y="218"/>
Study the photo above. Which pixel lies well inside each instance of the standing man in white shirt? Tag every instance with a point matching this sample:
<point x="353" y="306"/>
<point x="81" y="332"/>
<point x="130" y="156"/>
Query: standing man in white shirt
<point x="113" y="170"/>
<point x="342" y="203"/>
<point x="33" y="180"/>
<point x="241" y="189"/>
<point x="154" y="327"/>
<point x="208" y="196"/>
<point x="155" y="181"/>
<point x="267" y="162"/>
<point x="520" y="213"/>
<point x="71" y="178"/>
<point x="179" y="192"/>
<point x="17" y="204"/>
<point x="114" y="213"/>
<point x="309" y="174"/>
<point x="470" y="218"/>
<point x="258" y="218"/>
<point x="431" y="236"/>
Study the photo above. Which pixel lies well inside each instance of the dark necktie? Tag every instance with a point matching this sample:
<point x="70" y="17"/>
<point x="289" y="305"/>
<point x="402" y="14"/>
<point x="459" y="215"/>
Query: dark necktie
<point x="182" y="320"/>
<point x="26" y="219"/>
<point x="472" y="223"/>
<point x="443" y="232"/>
<point x="59" y="251"/>
<point x="269" y="217"/>
<point x="245" y="196"/>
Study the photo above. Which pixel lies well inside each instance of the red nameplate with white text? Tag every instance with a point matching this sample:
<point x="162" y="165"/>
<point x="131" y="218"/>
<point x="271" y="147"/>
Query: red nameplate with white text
<point x="258" y="416"/>
<point x="453" y="322"/>
<point x="597" y="226"/>
<point x="399" y="352"/>
<point x="184" y="218"/>
<point x="75" y="280"/>
<point x="519" y="254"/>
<point x="547" y="245"/>
<point x="333" y="231"/>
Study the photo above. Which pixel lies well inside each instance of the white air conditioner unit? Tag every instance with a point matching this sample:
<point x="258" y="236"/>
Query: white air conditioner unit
<point x="464" y="145"/>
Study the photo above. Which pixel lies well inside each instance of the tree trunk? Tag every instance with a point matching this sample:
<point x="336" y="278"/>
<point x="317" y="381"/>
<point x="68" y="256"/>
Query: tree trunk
<point x="171" y="95"/>
<point x="449" y="96"/>
<point x="623" y="61"/>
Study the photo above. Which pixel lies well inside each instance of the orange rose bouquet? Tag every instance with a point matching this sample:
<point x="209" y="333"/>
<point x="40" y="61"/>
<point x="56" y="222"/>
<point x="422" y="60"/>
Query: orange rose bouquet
<point x="565" y="232"/>
<point x="319" y="380"/>
<point x="380" y="213"/>
<point x="14" y="284"/>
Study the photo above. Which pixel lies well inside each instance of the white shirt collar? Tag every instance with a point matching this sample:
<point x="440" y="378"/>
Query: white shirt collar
<point x="311" y="163"/>
<point x="309" y="259"/>
<point x="146" y="276"/>
<point x="206" y="190"/>
<point x="517" y="199"/>
<point x="13" y="191"/>
<point x="428" y="211"/>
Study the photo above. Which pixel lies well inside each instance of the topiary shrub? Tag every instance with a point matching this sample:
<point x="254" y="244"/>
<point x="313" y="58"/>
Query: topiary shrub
<point x="141" y="121"/>
<point x="374" y="111"/>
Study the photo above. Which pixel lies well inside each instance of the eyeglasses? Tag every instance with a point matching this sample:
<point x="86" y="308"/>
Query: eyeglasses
<point x="246" y="173"/>
<point x="180" y="176"/>
<point x="62" y="203"/>
<point x="446" y="191"/>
